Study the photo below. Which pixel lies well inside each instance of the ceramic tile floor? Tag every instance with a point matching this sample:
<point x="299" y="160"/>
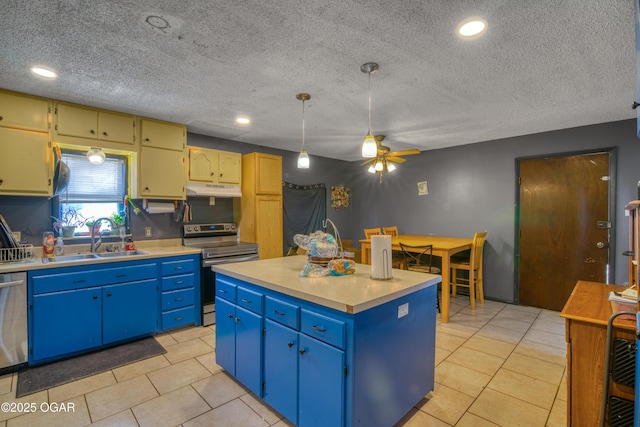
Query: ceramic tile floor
<point x="499" y="365"/>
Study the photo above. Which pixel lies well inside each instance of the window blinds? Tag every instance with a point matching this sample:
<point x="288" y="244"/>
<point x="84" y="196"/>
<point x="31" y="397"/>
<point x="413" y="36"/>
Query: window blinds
<point x="94" y="183"/>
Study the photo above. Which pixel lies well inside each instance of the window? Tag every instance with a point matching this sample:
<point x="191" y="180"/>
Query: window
<point x="94" y="191"/>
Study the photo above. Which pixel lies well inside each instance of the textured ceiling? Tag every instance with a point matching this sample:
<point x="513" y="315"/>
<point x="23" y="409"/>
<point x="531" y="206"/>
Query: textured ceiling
<point x="540" y="66"/>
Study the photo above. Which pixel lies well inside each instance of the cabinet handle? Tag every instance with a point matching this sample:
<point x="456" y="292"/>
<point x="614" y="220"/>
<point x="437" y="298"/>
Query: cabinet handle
<point x="105" y="133"/>
<point x="237" y="319"/>
<point x="302" y="351"/>
<point x="230" y="316"/>
<point x="316" y="328"/>
<point x="119" y="276"/>
<point x="222" y="291"/>
<point x="95" y="297"/>
<point x="179" y="318"/>
<point x="1" y="181"/>
<point x="92" y="132"/>
<point x="212" y="173"/>
<point x="277" y="313"/>
<point x="246" y="301"/>
<point x="179" y="268"/>
<point x="179" y="299"/>
<point x="290" y="344"/>
<point x="146" y="139"/>
<point x="109" y="294"/>
<point x="1" y="117"/>
<point x="79" y="281"/>
<point x="179" y="282"/>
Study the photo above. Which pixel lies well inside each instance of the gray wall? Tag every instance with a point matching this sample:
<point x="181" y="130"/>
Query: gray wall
<point x="473" y="187"/>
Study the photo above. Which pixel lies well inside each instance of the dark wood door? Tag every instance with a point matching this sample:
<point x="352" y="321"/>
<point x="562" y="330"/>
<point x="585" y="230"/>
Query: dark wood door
<point x="561" y="202"/>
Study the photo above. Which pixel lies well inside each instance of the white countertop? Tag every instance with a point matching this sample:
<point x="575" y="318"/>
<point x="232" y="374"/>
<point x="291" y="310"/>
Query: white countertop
<point x="351" y="294"/>
<point x="154" y="249"/>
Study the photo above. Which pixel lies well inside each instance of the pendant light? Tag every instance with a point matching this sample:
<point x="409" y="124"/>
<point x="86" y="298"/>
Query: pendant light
<point x="369" y="145"/>
<point x="303" y="157"/>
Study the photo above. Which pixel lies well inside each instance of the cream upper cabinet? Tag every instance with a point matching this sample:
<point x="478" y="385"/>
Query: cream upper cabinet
<point x="162" y="174"/>
<point x="170" y="136"/>
<point x="263" y="173"/>
<point x="24" y="112"/>
<point x="25" y="163"/>
<point x="230" y="167"/>
<point x="214" y="166"/>
<point x="89" y="123"/>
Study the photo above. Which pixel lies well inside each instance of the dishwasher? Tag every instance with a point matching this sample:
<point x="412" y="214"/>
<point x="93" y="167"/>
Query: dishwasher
<point x="13" y="320"/>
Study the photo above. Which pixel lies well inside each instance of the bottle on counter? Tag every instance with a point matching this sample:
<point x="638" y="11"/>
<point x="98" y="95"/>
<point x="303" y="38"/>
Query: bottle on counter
<point x="59" y="247"/>
<point x="130" y="246"/>
<point x="48" y="243"/>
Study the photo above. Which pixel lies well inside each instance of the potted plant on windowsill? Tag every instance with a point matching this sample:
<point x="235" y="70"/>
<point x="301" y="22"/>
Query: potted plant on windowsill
<point x="66" y="225"/>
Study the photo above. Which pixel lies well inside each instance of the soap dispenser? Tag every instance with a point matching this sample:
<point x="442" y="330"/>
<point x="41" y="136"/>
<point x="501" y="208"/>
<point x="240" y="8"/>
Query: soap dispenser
<point x="59" y="247"/>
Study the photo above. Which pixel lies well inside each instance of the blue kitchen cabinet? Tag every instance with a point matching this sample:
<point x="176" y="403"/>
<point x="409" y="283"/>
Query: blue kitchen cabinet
<point x="65" y="322"/>
<point x="281" y="369"/>
<point x="129" y="310"/>
<point x="239" y="333"/>
<point x="180" y="298"/>
<point x="78" y="308"/>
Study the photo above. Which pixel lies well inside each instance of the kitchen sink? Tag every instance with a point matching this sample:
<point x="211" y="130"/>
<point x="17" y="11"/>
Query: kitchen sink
<point x="68" y="258"/>
<point x="121" y="254"/>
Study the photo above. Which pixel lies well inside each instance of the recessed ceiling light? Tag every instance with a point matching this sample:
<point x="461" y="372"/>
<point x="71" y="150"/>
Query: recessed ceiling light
<point x="472" y="28"/>
<point x="44" y="72"/>
<point x="242" y="120"/>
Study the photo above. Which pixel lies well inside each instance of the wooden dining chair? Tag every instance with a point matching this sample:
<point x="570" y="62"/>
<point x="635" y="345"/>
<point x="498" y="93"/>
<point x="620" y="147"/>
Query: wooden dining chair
<point x="472" y="264"/>
<point x="420" y="259"/>
<point x="397" y="258"/>
<point x="368" y="232"/>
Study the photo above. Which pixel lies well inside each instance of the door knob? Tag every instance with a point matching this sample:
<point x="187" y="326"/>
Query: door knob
<point x="602" y="245"/>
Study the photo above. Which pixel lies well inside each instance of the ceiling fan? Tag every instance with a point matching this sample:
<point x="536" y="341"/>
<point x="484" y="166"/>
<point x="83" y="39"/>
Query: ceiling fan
<point x="385" y="158"/>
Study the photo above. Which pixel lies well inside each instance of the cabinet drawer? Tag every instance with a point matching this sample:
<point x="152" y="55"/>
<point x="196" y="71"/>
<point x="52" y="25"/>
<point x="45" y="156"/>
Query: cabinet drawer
<point x="129" y="274"/>
<point x="177" y="267"/>
<point x="323" y="328"/>
<point x="180" y="317"/>
<point x="225" y="289"/>
<point x="177" y="299"/>
<point x="66" y="281"/>
<point x="282" y="312"/>
<point x="177" y="282"/>
<point x="250" y="300"/>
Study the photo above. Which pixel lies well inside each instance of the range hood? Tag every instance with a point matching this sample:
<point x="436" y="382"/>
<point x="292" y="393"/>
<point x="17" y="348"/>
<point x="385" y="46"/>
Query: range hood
<point x="213" y="190"/>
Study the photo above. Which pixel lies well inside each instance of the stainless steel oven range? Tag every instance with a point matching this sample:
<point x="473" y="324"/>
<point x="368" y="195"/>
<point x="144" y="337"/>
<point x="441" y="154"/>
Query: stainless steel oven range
<point x="219" y="244"/>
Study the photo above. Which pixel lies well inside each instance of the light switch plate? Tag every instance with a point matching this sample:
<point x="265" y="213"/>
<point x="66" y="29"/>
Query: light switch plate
<point x="403" y="310"/>
<point x="147" y="232"/>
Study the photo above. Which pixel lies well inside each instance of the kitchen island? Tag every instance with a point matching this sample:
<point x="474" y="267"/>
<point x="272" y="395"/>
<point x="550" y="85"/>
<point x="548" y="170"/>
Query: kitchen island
<point x="327" y="351"/>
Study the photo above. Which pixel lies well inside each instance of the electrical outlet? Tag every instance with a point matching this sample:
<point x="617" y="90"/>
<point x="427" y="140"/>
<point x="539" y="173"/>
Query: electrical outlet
<point x="147" y="232"/>
<point x="403" y="310"/>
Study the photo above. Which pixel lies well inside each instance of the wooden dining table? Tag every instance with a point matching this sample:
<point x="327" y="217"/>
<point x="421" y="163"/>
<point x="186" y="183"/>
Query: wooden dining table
<point x="442" y="246"/>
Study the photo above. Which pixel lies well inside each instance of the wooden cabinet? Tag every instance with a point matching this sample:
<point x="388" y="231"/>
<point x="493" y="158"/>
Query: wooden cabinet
<point x="73" y="309"/>
<point x="162" y="174"/>
<point x="179" y="300"/>
<point x="587" y="312"/>
<point x="25" y="163"/>
<point x="261" y="203"/>
<point x="162" y="171"/>
<point x="170" y="136"/>
<point x="634" y="240"/>
<point x="92" y="125"/>
<point x="24" y="112"/>
<point x="25" y="147"/>
<point x="214" y="166"/>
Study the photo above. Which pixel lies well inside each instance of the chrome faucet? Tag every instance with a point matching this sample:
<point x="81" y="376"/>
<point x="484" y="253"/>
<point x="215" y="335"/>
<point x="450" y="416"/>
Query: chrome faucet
<point x="96" y="245"/>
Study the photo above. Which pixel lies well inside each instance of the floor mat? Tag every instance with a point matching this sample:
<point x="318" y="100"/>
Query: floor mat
<point x="38" y="378"/>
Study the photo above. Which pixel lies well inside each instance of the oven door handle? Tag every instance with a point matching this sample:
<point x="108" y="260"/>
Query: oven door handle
<point x="212" y="262"/>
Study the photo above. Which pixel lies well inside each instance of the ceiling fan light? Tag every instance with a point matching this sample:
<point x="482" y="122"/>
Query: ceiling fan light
<point x="303" y="160"/>
<point x="369" y="146"/>
<point x="371" y="169"/>
<point x="391" y="167"/>
<point x="96" y="156"/>
<point x="379" y="166"/>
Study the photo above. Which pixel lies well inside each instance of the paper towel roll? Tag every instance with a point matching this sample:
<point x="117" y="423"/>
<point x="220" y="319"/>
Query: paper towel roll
<point x="159" y="207"/>
<point x="381" y="257"/>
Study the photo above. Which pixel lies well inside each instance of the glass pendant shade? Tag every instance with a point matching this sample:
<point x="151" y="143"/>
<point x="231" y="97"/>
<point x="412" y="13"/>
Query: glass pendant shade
<point x="372" y="169"/>
<point x="391" y="167"/>
<point x="96" y="156"/>
<point x="303" y="160"/>
<point x="369" y="147"/>
<point x="379" y="166"/>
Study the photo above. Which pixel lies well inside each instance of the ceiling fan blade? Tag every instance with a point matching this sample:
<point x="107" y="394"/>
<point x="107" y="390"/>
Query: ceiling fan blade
<point x="404" y="152"/>
<point x="396" y="159"/>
